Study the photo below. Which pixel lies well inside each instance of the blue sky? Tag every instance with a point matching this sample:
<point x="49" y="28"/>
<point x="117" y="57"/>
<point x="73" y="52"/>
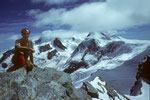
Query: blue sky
<point x="128" y="18"/>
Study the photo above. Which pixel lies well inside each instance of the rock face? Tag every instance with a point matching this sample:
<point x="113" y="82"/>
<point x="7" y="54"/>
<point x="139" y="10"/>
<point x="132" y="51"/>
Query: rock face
<point x="51" y="54"/>
<point x="39" y="84"/>
<point x="50" y="84"/>
<point x="6" y="55"/>
<point x="90" y="90"/>
<point x="101" y="34"/>
<point x="38" y="41"/>
<point x="144" y="69"/>
<point x="142" y="74"/>
<point x="103" y="90"/>
<point x="74" y="66"/>
<point x="89" y="44"/>
<point x="58" y="43"/>
<point x="80" y="56"/>
<point x="117" y="48"/>
<point x="44" y="48"/>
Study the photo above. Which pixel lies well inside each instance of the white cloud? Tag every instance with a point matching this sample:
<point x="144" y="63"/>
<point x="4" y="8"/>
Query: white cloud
<point x="13" y="37"/>
<point x="52" y="16"/>
<point x="48" y="34"/>
<point x="34" y="12"/>
<point x="99" y="16"/>
<point x="50" y="2"/>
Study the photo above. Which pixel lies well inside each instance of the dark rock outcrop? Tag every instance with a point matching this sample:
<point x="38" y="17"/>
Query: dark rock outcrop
<point x="144" y="69"/>
<point x="38" y="41"/>
<point x="100" y="35"/>
<point x="113" y="93"/>
<point x="6" y="55"/>
<point x="73" y="38"/>
<point x="51" y="54"/>
<point x="106" y="91"/>
<point x="111" y="47"/>
<point x="90" y="45"/>
<point x="44" y="48"/>
<point x="4" y="65"/>
<point x="85" y="48"/>
<point x="39" y="84"/>
<point x="105" y="36"/>
<point x="136" y="89"/>
<point x="142" y="74"/>
<point x="74" y="65"/>
<point x="90" y="90"/>
<point x="117" y="48"/>
<point x="58" y="43"/>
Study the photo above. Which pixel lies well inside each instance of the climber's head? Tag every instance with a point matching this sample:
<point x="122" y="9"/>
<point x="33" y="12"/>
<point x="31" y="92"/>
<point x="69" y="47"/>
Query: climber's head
<point x="25" y="33"/>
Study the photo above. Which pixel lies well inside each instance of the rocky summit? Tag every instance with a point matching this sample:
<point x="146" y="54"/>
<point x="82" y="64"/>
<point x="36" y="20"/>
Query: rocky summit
<point x="40" y="84"/>
<point x="49" y="84"/>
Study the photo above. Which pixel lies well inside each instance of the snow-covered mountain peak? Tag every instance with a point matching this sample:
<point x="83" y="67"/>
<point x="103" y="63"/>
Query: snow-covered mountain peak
<point x="98" y="35"/>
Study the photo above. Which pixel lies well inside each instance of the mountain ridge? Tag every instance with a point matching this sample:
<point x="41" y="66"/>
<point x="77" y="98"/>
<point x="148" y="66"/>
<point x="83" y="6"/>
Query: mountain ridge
<point x="95" y="55"/>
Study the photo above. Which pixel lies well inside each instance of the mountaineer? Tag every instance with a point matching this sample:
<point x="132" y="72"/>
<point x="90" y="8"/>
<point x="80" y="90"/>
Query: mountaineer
<point x="23" y="50"/>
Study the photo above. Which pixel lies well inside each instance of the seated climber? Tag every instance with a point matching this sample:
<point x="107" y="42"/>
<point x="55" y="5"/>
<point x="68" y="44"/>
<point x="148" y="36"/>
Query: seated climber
<point x="23" y="50"/>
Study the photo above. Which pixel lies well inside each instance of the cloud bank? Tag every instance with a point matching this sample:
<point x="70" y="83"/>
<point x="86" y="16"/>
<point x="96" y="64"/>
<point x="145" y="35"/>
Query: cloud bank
<point x="97" y="16"/>
<point x="48" y="34"/>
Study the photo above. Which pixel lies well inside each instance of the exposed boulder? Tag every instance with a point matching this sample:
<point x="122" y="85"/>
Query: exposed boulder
<point x="39" y="84"/>
<point x="51" y="54"/>
<point x="4" y="65"/>
<point x="58" y="43"/>
<point x="6" y="55"/>
<point x="44" y="48"/>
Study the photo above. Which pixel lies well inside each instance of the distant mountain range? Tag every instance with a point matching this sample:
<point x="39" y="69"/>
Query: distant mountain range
<point x="113" y="58"/>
